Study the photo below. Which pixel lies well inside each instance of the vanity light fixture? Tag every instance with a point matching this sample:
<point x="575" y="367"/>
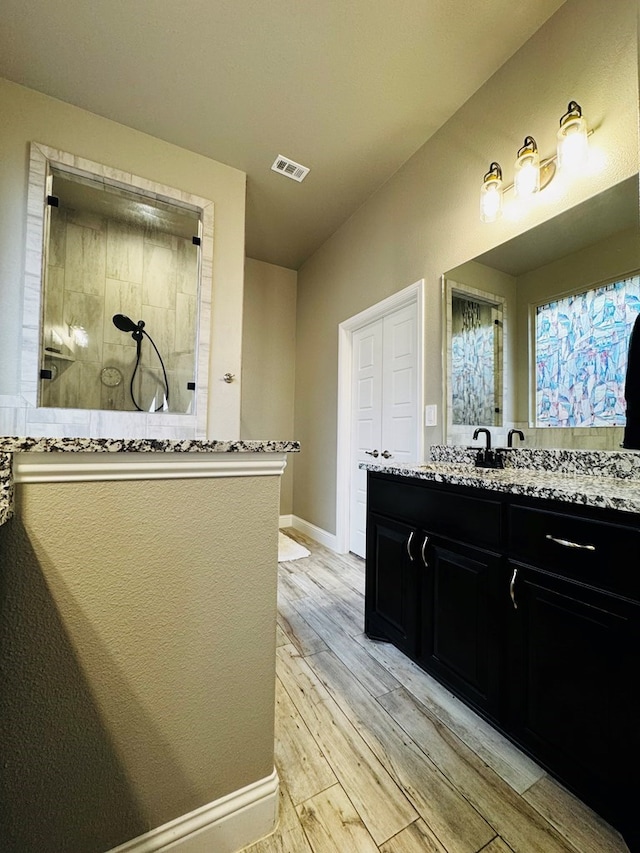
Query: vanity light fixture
<point x="532" y="174"/>
<point x="527" y="169"/>
<point x="573" y="145"/>
<point x="491" y="194"/>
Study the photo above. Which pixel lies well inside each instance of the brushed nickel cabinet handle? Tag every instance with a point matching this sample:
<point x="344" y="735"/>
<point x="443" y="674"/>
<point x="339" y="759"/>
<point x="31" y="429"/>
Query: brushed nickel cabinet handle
<point x="512" y="589"/>
<point x="386" y="455"/>
<point x="373" y="453"/>
<point x="409" y="541"/>
<point x="567" y="544"/>
<point x="422" y="554"/>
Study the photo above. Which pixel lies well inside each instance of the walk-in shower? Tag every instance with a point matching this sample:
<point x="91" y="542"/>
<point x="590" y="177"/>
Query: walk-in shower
<point x="111" y="254"/>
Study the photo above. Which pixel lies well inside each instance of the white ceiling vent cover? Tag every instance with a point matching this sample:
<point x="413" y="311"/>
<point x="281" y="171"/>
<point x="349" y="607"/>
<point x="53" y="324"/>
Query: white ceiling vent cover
<point x="290" y="168"/>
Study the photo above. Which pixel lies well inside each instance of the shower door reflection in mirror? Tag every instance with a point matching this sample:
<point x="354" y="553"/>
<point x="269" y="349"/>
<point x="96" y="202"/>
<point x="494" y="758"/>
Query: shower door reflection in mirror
<point x="120" y="299"/>
<point x="476" y="361"/>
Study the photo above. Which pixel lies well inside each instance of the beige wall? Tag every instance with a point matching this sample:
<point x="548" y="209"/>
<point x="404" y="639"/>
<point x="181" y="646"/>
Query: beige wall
<point x="138" y="648"/>
<point x="268" y="360"/>
<point x="29" y="116"/>
<point x="425" y="220"/>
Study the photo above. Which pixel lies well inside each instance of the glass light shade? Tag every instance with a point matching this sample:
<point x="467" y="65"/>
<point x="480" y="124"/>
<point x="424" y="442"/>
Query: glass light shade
<point x="573" y="144"/>
<point x="491" y="194"/>
<point x="527" y="169"/>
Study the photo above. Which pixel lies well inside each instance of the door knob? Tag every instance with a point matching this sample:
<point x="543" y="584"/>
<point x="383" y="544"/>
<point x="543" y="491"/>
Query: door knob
<point x="386" y="455"/>
<point x="373" y="453"/>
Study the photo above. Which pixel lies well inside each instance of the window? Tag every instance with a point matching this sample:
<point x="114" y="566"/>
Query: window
<point x="581" y="344"/>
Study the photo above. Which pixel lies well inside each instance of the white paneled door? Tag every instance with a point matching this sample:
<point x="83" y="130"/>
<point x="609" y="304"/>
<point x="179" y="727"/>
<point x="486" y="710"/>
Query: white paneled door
<point x="384" y="394"/>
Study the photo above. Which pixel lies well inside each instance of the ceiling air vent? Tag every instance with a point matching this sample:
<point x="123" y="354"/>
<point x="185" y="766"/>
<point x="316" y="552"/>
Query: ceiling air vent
<point x="289" y="168"/>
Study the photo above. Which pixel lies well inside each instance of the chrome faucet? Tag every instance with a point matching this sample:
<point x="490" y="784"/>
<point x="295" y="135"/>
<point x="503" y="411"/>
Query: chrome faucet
<point x="487" y="433"/>
<point x="510" y="435"/>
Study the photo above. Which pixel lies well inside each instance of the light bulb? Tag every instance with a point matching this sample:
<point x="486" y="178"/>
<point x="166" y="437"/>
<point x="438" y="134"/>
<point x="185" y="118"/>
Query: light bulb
<point x="491" y="194"/>
<point x="573" y="145"/>
<point x="527" y="169"/>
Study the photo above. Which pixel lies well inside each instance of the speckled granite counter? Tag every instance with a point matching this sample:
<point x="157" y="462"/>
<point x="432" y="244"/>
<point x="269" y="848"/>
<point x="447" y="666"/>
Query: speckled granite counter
<point x="623" y="464"/>
<point x="11" y="445"/>
<point x="604" y="479"/>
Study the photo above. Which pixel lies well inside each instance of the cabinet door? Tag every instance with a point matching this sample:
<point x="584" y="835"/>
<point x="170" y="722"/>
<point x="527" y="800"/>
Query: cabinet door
<point x="574" y="696"/>
<point x="460" y="625"/>
<point x="391" y="598"/>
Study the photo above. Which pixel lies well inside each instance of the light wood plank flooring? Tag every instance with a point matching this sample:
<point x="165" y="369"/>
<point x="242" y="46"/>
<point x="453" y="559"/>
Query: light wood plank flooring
<point x="374" y="755"/>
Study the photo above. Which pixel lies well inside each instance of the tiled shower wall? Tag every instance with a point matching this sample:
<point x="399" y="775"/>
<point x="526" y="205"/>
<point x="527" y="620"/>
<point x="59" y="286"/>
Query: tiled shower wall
<point x="98" y="267"/>
<point x="476" y="360"/>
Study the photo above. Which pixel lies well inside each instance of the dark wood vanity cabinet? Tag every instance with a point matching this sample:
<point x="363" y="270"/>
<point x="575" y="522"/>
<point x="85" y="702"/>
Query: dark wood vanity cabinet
<point x="432" y="583"/>
<point x="529" y="611"/>
<point x="574" y="650"/>
<point x="391" y="611"/>
<point x="572" y="686"/>
<point x="458" y="640"/>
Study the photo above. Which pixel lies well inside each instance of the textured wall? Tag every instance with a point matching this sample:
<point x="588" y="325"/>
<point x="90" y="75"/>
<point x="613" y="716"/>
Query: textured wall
<point x="138" y="647"/>
<point x="268" y="360"/>
<point x="425" y="220"/>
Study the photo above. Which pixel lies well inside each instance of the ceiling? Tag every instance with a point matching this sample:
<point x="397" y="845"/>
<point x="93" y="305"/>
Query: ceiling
<point x="349" y="88"/>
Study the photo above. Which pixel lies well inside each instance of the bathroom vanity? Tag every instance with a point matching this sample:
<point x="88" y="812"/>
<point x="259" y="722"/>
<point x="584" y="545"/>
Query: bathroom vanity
<point x="518" y="590"/>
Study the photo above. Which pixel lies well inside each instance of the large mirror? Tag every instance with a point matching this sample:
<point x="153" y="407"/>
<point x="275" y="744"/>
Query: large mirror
<point x="578" y="268"/>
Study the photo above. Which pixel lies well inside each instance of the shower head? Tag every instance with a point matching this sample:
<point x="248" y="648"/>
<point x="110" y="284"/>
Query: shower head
<point x="124" y="323"/>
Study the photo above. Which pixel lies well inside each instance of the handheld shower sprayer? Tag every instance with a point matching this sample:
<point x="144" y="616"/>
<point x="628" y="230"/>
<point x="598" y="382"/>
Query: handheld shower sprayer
<point x="126" y="324"/>
<point x="137" y="330"/>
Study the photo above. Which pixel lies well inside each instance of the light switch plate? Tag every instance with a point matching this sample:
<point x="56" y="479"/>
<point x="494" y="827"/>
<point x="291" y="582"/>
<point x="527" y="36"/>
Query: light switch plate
<point x="431" y="415"/>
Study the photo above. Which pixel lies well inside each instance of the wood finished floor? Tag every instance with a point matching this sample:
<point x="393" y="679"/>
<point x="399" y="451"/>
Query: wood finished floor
<point x="374" y="755"/>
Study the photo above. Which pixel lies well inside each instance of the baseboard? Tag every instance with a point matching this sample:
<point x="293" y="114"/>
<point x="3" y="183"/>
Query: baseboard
<point x="225" y="825"/>
<point x="329" y="540"/>
<point x="286" y="521"/>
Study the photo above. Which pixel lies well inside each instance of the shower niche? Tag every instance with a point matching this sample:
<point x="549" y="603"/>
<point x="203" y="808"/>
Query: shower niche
<point x="122" y="302"/>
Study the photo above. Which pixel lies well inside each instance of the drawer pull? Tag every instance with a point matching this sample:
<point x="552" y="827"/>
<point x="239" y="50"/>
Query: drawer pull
<point x="567" y="544"/>
<point x="409" y="541"/>
<point x="512" y="589"/>
<point x="422" y="554"/>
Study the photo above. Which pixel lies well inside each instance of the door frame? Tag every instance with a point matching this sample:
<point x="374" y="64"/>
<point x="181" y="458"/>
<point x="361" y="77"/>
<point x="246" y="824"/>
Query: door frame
<point x="413" y="294"/>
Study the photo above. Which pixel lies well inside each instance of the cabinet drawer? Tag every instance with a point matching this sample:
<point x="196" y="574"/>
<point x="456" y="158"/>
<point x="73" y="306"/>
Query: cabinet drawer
<point x="466" y="518"/>
<point x="598" y="553"/>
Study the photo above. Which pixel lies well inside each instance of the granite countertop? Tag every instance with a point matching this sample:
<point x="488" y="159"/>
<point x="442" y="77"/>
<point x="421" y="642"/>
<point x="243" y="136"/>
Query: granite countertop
<point x="14" y="444"/>
<point x="594" y="489"/>
<point x="10" y="445"/>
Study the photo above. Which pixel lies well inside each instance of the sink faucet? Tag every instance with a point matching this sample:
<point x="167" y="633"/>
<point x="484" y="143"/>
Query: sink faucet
<point x="510" y="435"/>
<point x="487" y="433"/>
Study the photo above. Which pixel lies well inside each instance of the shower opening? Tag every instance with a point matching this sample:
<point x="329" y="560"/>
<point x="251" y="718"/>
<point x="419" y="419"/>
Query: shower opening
<point x="112" y="252"/>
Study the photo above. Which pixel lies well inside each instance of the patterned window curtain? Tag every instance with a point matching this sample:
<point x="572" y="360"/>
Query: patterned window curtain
<point x="582" y="344"/>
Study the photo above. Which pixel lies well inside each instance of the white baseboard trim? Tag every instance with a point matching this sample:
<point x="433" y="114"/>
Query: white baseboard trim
<point x="286" y="521"/>
<point x="329" y="540"/>
<point x="225" y="825"/>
